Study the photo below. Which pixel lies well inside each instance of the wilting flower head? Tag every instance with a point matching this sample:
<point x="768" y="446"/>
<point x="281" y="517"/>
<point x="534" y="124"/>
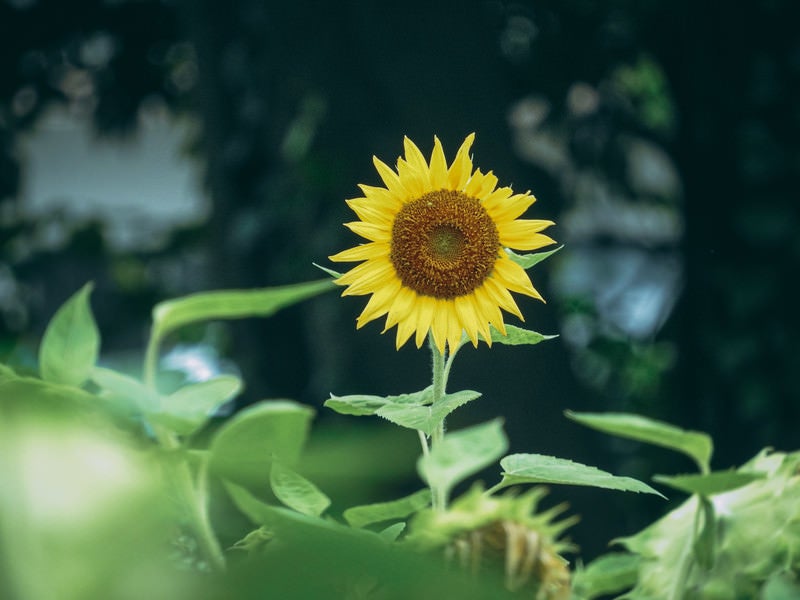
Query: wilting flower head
<point x="435" y="260"/>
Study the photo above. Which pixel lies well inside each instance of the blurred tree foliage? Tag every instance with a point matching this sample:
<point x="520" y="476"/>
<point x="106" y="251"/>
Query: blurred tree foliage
<point x="293" y="98"/>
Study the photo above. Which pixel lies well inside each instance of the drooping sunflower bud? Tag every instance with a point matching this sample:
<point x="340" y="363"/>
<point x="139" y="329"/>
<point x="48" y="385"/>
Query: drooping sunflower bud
<point x="501" y="535"/>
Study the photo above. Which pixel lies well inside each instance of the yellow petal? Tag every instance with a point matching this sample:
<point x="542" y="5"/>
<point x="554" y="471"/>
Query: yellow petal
<point x="378" y="304"/>
<point x="439" y="324"/>
<point x="381" y="196"/>
<point x="509" y="208"/>
<point x="370" y="231"/>
<point x="514" y="277"/>
<point x="480" y="185"/>
<point x="362" y="252"/>
<point x="368" y="210"/>
<point x="454" y="329"/>
<point x="401" y="307"/>
<point x="413" y="155"/>
<point x="438" y="166"/>
<point x="461" y="169"/>
<point x="416" y="181"/>
<point x="502" y="298"/>
<point x="367" y="277"/>
<point x="523" y="234"/>
<point x="390" y="178"/>
<point x="425" y="313"/>
<point x="468" y="317"/>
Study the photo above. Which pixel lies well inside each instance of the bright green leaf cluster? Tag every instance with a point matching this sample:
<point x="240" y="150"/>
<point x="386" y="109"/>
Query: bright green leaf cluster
<point x="413" y="411"/>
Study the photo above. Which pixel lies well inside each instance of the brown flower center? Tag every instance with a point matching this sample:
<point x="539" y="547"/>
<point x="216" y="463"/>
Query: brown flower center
<point x="444" y="244"/>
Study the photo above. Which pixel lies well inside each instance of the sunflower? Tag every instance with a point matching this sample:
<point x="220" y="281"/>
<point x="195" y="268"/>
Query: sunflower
<point x="435" y="259"/>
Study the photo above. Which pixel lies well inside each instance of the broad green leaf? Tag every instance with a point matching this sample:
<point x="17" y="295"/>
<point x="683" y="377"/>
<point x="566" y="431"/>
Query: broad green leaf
<point x="711" y="483"/>
<point x="297" y="492"/>
<point x="539" y="468"/>
<point x="361" y="404"/>
<point x="516" y="336"/>
<point x="392" y="532"/>
<point x="44" y="399"/>
<point x="6" y="372"/>
<point x="608" y="574"/>
<point x="242" y="450"/>
<point x="360" y="516"/>
<point x="231" y="304"/>
<point x="189" y="408"/>
<point x="71" y="342"/>
<point x="425" y="418"/>
<point x="127" y="388"/>
<point x="357" y="404"/>
<point x="695" y="444"/>
<point x="526" y="261"/>
<point x="781" y="586"/>
<point x="462" y="454"/>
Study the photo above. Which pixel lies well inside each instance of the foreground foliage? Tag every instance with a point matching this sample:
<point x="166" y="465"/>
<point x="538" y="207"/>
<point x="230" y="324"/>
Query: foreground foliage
<point x="107" y="487"/>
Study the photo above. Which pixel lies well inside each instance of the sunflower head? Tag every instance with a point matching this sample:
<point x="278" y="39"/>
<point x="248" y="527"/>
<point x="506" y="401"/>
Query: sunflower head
<point x="434" y="259"/>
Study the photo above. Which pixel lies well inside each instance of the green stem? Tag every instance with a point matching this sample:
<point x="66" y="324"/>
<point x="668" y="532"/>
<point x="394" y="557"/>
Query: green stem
<point x="441" y="371"/>
<point x="193" y="495"/>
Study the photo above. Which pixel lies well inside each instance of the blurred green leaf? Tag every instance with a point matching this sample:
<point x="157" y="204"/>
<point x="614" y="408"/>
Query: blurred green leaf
<point x="242" y="449"/>
<point x="364" y="405"/>
<point x="539" y="468"/>
<point x="608" y="574"/>
<point x="392" y="532"/>
<point x="71" y="342"/>
<point x="187" y="409"/>
<point x="231" y="304"/>
<point x="462" y="454"/>
<point x="782" y="586"/>
<point x="425" y="418"/>
<point x="711" y="483"/>
<point x="127" y="388"/>
<point x="526" y="261"/>
<point x="297" y="492"/>
<point x="695" y="444"/>
<point x="360" y="516"/>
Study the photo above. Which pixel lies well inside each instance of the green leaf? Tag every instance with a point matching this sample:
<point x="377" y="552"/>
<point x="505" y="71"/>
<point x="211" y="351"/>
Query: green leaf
<point x="425" y="418"/>
<point x="297" y="492"/>
<point x="243" y="448"/>
<point x="358" y="404"/>
<point x="462" y="454"/>
<point x="711" y="483"/>
<point x="362" y="405"/>
<point x="127" y="388"/>
<point x="695" y="444"/>
<point x="539" y="468"/>
<point x="608" y="574"/>
<point x="331" y="272"/>
<point x="71" y="342"/>
<point x="781" y="586"/>
<point x="189" y="408"/>
<point x="516" y="336"/>
<point x="360" y="516"/>
<point x="392" y="532"/>
<point x="526" y="261"/>
<point x="231" y="304"/>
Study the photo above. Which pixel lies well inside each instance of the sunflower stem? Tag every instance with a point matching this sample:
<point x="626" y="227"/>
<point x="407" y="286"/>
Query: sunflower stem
<point x="441" y="371"/>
